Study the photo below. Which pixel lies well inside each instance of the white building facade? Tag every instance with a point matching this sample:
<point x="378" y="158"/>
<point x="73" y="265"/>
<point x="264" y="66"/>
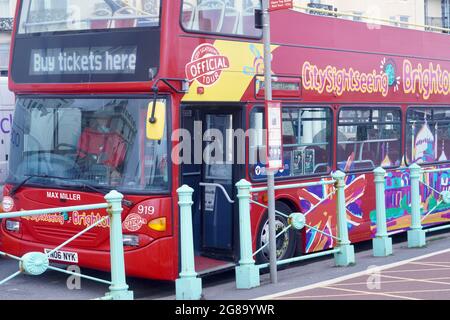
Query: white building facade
<point x="7" y="8"/>
<point x="420" y="12"/>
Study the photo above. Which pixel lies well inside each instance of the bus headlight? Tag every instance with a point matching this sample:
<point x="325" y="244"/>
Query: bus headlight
<point x="130" y="240"/>
<point x="13" y="226"/>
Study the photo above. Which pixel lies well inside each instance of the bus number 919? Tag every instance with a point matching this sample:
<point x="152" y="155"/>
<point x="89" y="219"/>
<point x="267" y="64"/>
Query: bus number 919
<point x="146" y="210"/>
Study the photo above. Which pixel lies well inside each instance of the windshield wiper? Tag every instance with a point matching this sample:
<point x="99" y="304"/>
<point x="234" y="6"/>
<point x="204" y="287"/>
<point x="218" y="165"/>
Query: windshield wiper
<point x="29" y="177"/>
<point x="127" y="203"/>
<point x="85" y="185"/>
<point x="20" y="185"/>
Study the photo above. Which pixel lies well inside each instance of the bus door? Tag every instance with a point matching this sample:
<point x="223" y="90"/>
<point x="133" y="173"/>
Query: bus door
<point x="213" y="173"/>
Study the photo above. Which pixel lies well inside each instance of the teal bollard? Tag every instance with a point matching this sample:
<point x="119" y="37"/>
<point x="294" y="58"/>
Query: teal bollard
<point x="247" y="273"/>
<point x="187" y="286"/>
<point x="346" y="254"/>
<point x="119" y="288"/>
<point x="416" y="235"/>
<point x="382" y="243"/>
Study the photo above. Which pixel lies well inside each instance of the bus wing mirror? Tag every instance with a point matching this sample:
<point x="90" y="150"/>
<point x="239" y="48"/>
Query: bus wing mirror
<point x="156" y="120"/>
<point x="258" y="19"/>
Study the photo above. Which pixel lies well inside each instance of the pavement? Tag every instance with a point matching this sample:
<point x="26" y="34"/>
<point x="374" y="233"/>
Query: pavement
<point x="408" y="274"/>
<point x="424" y="278"/>
<point x="425" y="272"/>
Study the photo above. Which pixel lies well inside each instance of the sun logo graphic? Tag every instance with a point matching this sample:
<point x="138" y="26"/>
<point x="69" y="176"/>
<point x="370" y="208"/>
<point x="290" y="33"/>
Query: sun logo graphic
<point x="257" y="69"/>
<point x="389" y="68"/>
<point x="258" y="63"/>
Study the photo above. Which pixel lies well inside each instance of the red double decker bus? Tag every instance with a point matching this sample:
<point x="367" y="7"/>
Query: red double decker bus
<point x="143" y="96"/>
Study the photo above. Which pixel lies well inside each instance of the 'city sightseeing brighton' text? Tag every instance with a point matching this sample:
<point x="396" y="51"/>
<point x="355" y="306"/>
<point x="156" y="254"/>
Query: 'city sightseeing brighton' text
<point x="337" y="81"/>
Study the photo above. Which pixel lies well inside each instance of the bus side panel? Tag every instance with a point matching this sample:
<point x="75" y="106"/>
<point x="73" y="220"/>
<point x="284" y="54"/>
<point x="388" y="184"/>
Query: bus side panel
<point x="360" y="199"/>
<point x="398" y="199"/>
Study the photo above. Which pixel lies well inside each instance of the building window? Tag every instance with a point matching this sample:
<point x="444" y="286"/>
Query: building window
<point x="221" y="17"/>
<point x="357" y="16"/>
<point x="368" y="137"/>
<point x="4" y="9"/>
<point x="306" y="142"/>
<point x="404" y="20"/>
<point x="4" y="57"/>
<point x="393" y="20"/>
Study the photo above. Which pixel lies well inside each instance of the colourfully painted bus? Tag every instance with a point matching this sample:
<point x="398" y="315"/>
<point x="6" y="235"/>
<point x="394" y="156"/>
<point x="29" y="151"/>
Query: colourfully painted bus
<point x="143" y="96"/>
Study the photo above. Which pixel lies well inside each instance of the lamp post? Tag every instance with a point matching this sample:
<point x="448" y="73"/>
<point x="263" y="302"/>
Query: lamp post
<point x="270" y="172"/>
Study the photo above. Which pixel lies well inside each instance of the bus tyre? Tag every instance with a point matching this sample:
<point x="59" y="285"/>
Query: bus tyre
<point x="285" y="243"/>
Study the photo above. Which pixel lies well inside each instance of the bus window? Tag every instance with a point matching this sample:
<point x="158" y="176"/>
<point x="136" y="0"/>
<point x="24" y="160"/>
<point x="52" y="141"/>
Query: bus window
<point x="100" y="142"/>
<point x="68" y="15"/>
<point x="306" y="142"/>
<point x="221" y="17"/>
<point x="427" y="135"/>
<point x="257" y="141"/>
<point x="368" y="138"/>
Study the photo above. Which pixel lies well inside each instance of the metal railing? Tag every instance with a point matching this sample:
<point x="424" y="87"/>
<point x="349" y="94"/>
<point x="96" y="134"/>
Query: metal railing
<point x="189" y="286"/>
<point x="382" y="244"/>
<point x="247" y="272"/>
<point x="37" y="263"/>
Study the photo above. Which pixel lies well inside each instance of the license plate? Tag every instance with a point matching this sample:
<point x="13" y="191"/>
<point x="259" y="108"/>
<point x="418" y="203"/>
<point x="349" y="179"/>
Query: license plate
<point x="63" y="256"/>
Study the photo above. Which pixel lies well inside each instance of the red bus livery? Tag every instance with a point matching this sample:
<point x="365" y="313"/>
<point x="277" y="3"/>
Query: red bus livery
<point x="106" y="94"/>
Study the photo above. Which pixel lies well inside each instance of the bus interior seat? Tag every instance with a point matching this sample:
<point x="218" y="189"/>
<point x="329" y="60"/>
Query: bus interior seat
<point x="321" y="155"/>
<point x="122" y="13"/>
<point x="210" y="15"/>
<point x="230" y="21"/>
<point x="188" y="15"/>
<point x="289" y="143"/>
<point x="288" y="139"/>
<point x="98" y="19"/>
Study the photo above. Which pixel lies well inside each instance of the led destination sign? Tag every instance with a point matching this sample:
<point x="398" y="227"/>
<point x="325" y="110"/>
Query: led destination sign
<point x="115" y="56"/>
<point x="94" y="60"/>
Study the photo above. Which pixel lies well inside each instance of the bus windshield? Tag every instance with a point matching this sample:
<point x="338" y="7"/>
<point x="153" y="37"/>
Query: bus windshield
<point x="96" y="142"/>
<point x="69" y="15"/>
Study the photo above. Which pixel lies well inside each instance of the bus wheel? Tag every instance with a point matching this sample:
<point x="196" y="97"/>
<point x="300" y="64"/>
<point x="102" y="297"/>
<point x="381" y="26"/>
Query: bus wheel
<point x="285" y="242"/>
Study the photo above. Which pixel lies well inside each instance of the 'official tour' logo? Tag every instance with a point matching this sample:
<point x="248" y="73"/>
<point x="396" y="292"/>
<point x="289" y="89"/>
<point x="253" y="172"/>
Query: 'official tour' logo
<point x="206" y="65"/>
<point x="134" y="222"/>
<point x="7" y="204"/>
